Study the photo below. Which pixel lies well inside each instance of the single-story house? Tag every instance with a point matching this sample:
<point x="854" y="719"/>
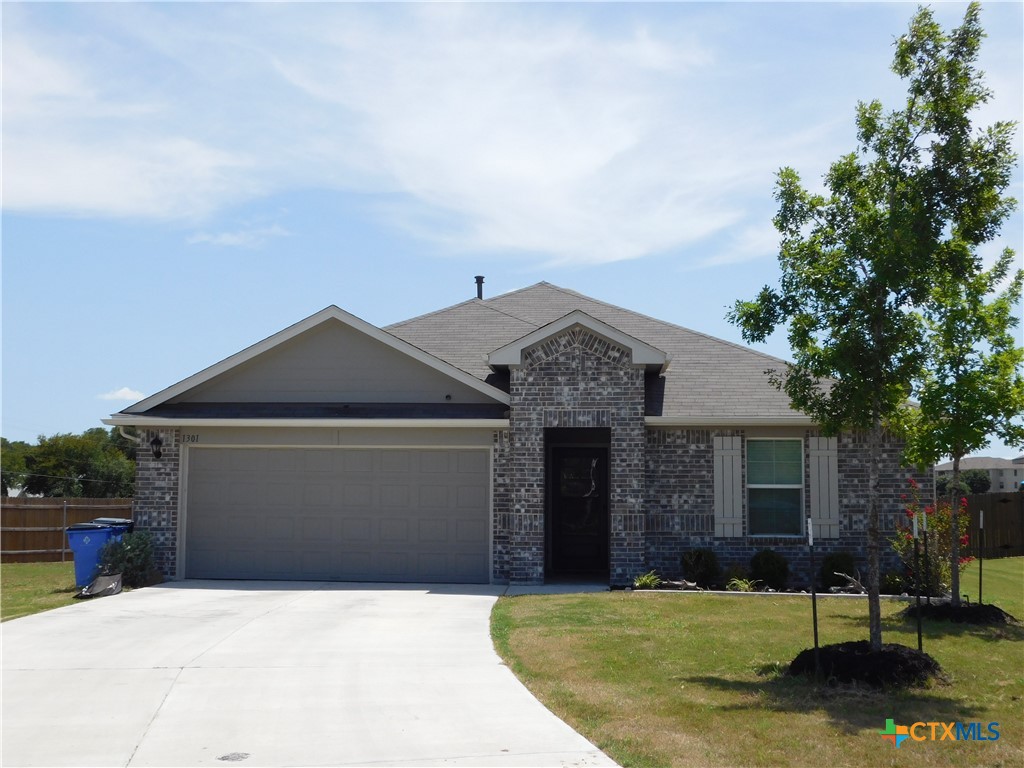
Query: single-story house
<point x="533" y="436"/>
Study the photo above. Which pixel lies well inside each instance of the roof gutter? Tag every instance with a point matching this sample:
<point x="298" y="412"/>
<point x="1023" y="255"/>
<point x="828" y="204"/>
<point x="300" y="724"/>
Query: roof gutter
<point x="130" y="420"/>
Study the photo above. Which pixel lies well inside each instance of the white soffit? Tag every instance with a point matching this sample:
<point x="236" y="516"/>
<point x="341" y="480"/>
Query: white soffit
<point x="331" y="313"/>
<point x="642" y="353"/>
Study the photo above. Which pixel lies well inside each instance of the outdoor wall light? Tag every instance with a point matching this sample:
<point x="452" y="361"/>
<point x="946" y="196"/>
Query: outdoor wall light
<point x="156" y="444"/>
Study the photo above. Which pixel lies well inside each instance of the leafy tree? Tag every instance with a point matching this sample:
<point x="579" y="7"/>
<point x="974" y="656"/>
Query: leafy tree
<point x="856" y="261"/>
<point x="86" y="465"/>
<point x="12" y="461"/>
<point x="972" y="387"/>
<point x="971" y="481"/>
<point x="976" y="480"/>
<point x="122" y="444"/>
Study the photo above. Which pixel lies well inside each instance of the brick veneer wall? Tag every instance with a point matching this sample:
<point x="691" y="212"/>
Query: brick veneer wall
<point x="155" y="505"/>
<point x="680" y="500"/>
<point x="501" y="505"/>
<point x="575" y="379"/>
<point x="680" y="504"/>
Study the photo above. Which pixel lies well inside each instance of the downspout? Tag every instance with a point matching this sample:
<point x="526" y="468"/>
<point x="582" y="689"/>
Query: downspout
<point x="126" y="436"/>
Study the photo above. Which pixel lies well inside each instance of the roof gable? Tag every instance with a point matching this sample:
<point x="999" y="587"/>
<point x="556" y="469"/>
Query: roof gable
<point x="312" y="361"/>
<point x="642" y="354"/>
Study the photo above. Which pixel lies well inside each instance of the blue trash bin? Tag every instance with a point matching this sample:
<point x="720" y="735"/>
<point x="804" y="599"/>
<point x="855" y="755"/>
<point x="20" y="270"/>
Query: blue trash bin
<point x="86" y="540"/>
<point x="121" y="525"/>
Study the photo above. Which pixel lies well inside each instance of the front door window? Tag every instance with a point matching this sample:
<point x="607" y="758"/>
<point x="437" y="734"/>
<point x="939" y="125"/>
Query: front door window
<point x="579" y="511"/>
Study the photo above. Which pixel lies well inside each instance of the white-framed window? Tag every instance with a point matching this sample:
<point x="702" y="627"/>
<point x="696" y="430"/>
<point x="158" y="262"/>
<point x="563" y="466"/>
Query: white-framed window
<point x="775" y="486"/>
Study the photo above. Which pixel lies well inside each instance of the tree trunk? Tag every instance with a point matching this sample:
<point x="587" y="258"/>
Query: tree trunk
<point x="874" y="602"/>
<point x="954" y="523"/>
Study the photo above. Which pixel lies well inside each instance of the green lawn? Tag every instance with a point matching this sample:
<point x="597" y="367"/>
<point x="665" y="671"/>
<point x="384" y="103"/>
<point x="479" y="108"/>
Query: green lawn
<point x="689" y="679"/>
<point x="1002" y="581"/>
<point x="27" y="588"/>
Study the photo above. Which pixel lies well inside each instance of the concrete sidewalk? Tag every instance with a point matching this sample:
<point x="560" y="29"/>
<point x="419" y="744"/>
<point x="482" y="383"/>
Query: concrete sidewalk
<point x="273" y="674"/>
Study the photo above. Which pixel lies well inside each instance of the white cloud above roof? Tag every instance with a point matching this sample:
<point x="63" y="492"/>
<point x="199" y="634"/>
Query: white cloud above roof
<point x="583" y="134"/>
<point x="252" y="237"/>
<point x="124" y="393"/>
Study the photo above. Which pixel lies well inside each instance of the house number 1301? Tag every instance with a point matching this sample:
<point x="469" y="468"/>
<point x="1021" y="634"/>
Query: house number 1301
<point x="190" y="438"/>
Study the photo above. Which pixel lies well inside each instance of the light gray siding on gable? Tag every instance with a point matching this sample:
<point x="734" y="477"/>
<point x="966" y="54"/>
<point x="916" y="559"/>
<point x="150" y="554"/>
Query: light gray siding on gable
<point x="333" y="363"/>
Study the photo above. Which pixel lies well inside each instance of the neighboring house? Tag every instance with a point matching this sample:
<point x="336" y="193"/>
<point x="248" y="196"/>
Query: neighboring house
<point x="1005" y="474"/>
<point x="535" y="436"/>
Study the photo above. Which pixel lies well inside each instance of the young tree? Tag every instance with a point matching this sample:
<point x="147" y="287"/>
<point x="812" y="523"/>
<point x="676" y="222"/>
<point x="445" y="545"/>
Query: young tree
<point x="856" y="261"/>
<point x="972" y="387"/>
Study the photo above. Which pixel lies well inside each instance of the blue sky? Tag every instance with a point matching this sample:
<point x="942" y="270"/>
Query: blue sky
<point x="183" y="180"/>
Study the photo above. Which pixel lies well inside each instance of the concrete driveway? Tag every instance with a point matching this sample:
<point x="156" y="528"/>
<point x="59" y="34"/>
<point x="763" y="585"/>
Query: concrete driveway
<point x="273" y="674"/>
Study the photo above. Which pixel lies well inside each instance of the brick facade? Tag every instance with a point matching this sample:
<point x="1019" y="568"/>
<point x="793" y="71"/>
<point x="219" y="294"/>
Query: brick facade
<point x="574" y="380"/>
<point x="680" y="504"/>
<point x="680" y="495"/>
<point x="662" y="480"/>
<point x="501" y="501"/>
<point x="155" y="505"/>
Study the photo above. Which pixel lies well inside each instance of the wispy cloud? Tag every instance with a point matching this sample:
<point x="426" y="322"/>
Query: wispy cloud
<point x="509" y="129"/>
<point x="757" y="241"/>
<point x="124" y="393"/>
<point x="242" y="238"/>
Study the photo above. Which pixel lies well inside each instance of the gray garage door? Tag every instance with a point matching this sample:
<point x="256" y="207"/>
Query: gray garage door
<point x="345" y="514"/>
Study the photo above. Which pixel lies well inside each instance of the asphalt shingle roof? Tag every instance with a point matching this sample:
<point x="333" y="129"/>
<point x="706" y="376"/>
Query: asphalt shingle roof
<point x="707" y="377"/>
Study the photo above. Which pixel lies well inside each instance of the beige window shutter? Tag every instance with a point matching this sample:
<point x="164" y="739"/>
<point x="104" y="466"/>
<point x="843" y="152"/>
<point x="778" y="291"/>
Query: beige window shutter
<point x="823" y="454"/>
<point x="728" y="485"/>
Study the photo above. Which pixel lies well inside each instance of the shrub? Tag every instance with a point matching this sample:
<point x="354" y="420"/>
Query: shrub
<point x="938" y="576"/>
<point x="735" y="571"/>
<point x="892" y="583"/>
<point x="770" y="568"/>
<point x="649" y="580"/>
<point x="701" y="566"/>
<point x="132" y="557"/>
<point x="842" y="562"/>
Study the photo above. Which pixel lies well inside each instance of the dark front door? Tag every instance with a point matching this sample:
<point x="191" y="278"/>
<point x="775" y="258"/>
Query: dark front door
<point x="578" y="511"/>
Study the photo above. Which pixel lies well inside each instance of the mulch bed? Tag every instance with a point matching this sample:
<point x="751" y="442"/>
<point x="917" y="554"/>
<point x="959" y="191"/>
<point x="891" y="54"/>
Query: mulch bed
<point x="895" y="666"/>
<point x="984" y="613"/>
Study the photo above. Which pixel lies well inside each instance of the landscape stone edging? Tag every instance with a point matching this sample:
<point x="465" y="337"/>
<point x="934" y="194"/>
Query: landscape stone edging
<point x="901" y="598"/>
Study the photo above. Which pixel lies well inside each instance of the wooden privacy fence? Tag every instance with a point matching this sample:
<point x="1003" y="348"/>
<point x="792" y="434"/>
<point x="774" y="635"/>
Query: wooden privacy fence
<point x="1004" y="523"/>
<point x="32" y="530"/>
